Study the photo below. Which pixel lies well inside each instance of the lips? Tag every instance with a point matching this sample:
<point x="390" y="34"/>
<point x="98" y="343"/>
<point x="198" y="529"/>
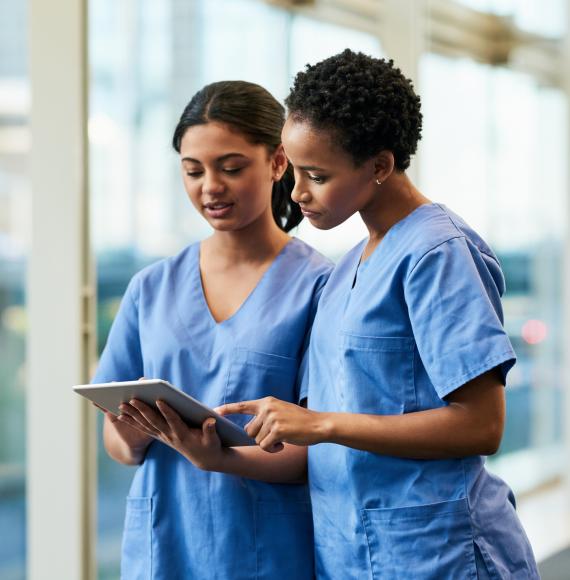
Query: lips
<point x="218" y="209"/>
<point x="308" y="213"/>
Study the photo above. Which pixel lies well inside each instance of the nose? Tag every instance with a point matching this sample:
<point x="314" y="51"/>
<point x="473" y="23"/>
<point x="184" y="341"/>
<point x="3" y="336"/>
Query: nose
<point x="299" y="193"/>
<point x="212" y="184"/>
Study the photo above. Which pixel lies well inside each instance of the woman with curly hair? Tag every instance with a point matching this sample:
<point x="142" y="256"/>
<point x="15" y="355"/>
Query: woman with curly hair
<point x="408" y="356"/>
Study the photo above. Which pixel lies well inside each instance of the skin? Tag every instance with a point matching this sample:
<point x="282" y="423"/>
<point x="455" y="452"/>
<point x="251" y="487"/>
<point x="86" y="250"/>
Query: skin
<point x="229" y="181"/>
<point x="330" y="188"/>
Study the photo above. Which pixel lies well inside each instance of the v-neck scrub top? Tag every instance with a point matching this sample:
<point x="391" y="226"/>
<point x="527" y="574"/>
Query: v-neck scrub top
<point x="182" y="522"/>
<point x="414" y="322"/>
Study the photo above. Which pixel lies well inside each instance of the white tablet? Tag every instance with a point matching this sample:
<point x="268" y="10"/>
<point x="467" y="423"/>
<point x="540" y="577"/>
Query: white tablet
<point x="111" y="395"/>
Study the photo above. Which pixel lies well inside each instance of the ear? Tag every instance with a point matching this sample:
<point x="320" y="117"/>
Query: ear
<point x="384" y="165"/>
<point x="279" y="163"/>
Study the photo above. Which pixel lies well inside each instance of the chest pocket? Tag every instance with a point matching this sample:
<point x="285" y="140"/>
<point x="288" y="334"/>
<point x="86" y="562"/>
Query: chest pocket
<point x="254" y="375"/>
<point x="377" y="374"/>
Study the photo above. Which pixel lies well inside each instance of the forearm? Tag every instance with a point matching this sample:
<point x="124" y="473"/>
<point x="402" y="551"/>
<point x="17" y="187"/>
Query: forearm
<point x="471" y="424"/>
<point x="286" y="466"/>
<point x="433" y="434"/>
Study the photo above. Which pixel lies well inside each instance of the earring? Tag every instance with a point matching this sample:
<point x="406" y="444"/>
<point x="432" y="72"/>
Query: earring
<point x="378" y="182"/>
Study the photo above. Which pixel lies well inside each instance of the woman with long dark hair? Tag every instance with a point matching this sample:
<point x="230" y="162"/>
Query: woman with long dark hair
<point x="226" y="319"/>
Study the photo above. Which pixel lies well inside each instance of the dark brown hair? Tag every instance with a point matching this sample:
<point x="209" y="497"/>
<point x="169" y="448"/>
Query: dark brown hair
<point x="259" y="117"/>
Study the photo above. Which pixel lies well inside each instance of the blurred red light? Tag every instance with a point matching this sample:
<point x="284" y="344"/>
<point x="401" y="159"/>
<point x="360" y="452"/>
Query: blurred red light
<point x="534" y="331"/>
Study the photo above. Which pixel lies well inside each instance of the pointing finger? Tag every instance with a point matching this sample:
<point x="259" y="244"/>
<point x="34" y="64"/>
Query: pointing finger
<point x="242" y="408"/>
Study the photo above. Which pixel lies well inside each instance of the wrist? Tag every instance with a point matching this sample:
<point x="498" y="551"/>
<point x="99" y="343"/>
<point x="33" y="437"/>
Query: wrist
<point x="140" y="448"/>
<point x="138" y="452"/>
<point x="324" y="432"/>
<point x="215" y="461"/>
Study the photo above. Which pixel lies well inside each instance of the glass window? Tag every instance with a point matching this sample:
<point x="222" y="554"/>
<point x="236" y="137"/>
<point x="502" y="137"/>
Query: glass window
<point x="494" y="150"/>
<point x="15" y="198"/>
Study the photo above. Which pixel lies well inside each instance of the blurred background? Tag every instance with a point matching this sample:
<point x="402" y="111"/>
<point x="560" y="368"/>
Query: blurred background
<point x="494" y="78"/>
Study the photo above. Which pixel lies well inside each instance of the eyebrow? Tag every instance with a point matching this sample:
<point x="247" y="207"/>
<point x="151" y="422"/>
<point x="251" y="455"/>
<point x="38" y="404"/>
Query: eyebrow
<point x="311" y="168"/>
<point x="222" y="158"/>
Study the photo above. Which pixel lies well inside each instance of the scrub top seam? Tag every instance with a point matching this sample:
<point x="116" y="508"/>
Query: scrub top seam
<point x="136" y="282"/>
<point x="303" y="394"/>
<point x="489" y="254"/>
<point x="135" y="304"/>
<point x="431" y="249"/>
<point x="466" y="491"/>
<point x="365" y="529"/>
<point x="199" y="284"/>
<point x="475" y="372"/>
<point x="449" y="217"/>
<point x="191" y="276"/>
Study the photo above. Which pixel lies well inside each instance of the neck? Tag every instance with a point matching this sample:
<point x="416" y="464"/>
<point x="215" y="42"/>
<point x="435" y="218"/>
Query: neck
<point x="396" y="198"/>
<point x="259" y="241"/>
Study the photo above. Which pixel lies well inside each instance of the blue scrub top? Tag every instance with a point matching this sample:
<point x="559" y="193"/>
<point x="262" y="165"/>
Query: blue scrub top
<point x="418" y="319"/>
<point x="182" y="522"/>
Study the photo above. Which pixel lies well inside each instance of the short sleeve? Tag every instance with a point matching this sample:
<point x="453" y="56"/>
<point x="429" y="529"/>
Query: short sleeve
<point x="121" y="359"/>
<point x="454" y="307"/>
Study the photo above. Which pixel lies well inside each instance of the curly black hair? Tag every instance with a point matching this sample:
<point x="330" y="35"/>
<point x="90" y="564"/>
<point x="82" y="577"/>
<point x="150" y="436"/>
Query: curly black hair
<point x="366" y="102"/>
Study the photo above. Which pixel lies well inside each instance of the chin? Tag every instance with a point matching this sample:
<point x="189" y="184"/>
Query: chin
<point x="325" y="225"/>
<point x="231" y="225"/>
<point x="222" y="226"/>
<point x="321" y="226"/>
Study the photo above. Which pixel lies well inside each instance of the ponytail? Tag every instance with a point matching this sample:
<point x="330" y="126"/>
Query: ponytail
<point x="286" y="212"/>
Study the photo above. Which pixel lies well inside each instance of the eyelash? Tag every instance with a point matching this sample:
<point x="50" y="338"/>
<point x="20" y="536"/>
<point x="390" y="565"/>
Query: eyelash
<point x="197" y="174"/>
<point x="319" y="180"/>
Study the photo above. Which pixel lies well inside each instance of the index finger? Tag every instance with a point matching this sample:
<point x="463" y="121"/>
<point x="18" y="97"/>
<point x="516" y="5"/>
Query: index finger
<point x="242" y="408"/>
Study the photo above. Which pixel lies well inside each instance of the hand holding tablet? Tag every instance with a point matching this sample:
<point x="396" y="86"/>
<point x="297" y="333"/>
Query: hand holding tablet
<point x="110" y="396"/>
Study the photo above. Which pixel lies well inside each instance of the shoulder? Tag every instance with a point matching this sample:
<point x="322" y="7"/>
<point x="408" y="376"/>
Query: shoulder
<point x="307" y="259"/>
<point x="153" y="276"/>
<point x="447" y="243"/>
<point x="438" y="228"/>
